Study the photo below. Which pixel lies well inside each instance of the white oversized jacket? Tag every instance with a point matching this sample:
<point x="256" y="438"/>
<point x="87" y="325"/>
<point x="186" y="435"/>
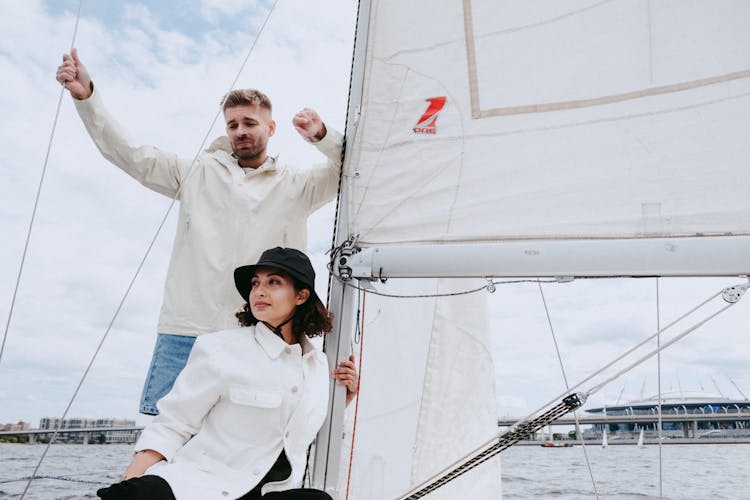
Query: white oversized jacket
<point x="244" y="396"/>
<point x="227" y="217"/>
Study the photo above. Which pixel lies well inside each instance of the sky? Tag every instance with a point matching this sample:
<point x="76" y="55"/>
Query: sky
<point x="162" y="68"/>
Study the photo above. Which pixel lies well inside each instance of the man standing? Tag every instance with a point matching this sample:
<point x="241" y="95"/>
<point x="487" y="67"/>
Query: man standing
<point x="235" y="202"/>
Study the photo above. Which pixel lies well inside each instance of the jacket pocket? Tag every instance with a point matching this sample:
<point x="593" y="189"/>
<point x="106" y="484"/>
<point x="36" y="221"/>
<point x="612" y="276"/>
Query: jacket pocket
<point x="258" y="399"/>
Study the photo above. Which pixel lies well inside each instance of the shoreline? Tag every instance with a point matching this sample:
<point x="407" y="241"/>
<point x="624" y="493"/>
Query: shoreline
<point x="646" y="442"/>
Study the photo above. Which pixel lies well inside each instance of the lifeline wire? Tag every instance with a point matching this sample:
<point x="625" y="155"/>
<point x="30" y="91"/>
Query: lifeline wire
<point x="487" y="287"/>
<point x="146" y="254"/>
<point x="567" y="387"/>
<point x="57" y="478"/>
<point x="38" y="195"/>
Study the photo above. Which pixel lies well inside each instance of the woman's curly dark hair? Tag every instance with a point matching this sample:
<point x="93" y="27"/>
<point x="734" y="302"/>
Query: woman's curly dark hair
<point x="311" y="318"/>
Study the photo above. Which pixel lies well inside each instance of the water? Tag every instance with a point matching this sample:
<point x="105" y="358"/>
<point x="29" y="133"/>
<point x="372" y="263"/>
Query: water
<point x="695" y="472"/>
<point x="102" y="465"/>
<point x="705" y="471"/>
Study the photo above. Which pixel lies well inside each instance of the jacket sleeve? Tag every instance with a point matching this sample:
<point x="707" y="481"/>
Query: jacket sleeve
<point x="321" y="183"/>
<point x="182" y="411"/>
<point x="157" y="170"/>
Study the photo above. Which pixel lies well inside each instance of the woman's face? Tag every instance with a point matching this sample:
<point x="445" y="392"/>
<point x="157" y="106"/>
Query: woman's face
<point x="273" y="297"/>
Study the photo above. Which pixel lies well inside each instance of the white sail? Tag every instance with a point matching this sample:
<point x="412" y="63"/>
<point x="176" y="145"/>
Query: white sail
<point x="640" y="439"/>
<point x="611" y="137"/>
<point x="427" y="396"/>
<point x="582" y="120"/>
<point x="569" y="125"/>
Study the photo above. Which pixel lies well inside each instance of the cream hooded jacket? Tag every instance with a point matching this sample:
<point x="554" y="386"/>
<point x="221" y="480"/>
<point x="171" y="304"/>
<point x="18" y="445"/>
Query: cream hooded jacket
<point x="244" y="396"/>
<point x="227" y="217"/>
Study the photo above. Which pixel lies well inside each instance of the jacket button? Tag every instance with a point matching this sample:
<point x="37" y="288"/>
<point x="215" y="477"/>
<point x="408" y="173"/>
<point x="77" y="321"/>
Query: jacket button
<point x="287" y="350"/>
<point x="225" y="493"/>
<point x="294" y="390"/>
<point x="286" y="434"/>
<point x="256" y="472"/>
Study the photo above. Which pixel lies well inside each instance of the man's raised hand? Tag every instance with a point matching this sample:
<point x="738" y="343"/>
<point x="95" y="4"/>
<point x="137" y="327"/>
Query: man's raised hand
<point x="74" y="75"/>
<point x="309" y="125"/>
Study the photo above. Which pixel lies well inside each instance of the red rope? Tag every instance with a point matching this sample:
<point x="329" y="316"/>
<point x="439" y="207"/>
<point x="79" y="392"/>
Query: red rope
<point x="359" y="388"/>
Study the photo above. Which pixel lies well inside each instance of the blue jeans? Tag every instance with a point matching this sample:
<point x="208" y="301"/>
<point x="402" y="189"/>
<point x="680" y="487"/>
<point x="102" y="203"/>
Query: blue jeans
<point x="170" y="356"/>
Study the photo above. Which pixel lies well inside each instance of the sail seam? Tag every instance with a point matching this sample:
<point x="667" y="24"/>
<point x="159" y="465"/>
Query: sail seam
<point x="478" y="113"/>
<point x="612" y="98"/>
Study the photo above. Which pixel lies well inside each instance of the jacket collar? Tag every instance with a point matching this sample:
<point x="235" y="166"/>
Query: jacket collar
<point x="221" y="150"/>
<point x="274" y="346"/>
<point x="268" y="164"/>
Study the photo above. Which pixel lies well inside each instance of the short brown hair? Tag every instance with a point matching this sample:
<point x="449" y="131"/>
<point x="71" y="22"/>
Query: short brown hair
<point x="245" y="97"/>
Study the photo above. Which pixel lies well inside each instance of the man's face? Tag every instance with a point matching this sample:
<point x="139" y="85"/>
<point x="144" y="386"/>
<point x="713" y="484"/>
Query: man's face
<point x="248" y="129"/>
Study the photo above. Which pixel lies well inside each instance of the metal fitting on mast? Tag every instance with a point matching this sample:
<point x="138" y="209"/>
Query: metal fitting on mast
<point x="340" y="265"/>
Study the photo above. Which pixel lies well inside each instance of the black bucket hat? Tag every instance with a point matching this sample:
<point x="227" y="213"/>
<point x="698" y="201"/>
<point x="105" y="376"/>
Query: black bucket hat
<point x="291" y="260"/>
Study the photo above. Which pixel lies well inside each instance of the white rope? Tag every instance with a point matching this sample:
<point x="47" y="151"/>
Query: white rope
<point x="146" y="254"/>
<point x="484" y="453"/>
<point x="649" y="355"/>
<point x="627" y="353"/>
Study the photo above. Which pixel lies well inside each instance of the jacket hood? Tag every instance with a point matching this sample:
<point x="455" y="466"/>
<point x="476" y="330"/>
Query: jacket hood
<point x="220" y="144"/>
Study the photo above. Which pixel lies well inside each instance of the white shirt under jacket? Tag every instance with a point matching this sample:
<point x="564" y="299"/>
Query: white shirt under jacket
<point x="227" y="217"/>
<point x="244" y="396"/>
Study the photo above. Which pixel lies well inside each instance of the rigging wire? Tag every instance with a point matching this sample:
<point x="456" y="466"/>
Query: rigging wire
<point x="38" y="195"/>
<point x="630" y="351"/>
<point x="528" y="424"/>
<point x="567" y="387"/>
<point x="658" y="388"/>
<point x="149" y="247"/>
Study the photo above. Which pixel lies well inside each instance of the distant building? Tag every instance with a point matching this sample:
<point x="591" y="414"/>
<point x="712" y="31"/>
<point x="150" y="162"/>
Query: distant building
<point x="18" y="426"/>
<point x="728" y="413"/>
<point x="101" y="434"/>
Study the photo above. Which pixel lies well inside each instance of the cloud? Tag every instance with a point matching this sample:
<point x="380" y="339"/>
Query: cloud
<point x="215" y="10"/>
<point x="162" y="68"/>
<point x="596" y="321"/>
<point x="161" y="72"/>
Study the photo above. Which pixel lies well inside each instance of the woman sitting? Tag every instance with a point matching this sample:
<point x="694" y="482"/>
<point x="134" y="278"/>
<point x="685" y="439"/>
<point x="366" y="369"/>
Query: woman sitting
<point x="243" y="412"/>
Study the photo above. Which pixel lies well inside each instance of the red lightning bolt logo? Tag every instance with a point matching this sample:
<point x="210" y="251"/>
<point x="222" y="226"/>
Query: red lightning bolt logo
<point x="426" y="124"/>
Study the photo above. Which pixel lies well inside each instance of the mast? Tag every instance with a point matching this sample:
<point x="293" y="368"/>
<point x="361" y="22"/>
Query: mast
<point x="328" y="452"/>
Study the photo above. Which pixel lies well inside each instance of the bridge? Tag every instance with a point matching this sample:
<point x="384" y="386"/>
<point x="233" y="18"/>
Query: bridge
<point x="640" y="419"/>
<point x="689" y="421"/>
<point x="129" y="433"/>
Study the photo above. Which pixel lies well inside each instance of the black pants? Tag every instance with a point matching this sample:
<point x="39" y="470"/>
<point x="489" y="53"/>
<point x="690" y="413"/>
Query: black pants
<point x="156" y="488"/>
